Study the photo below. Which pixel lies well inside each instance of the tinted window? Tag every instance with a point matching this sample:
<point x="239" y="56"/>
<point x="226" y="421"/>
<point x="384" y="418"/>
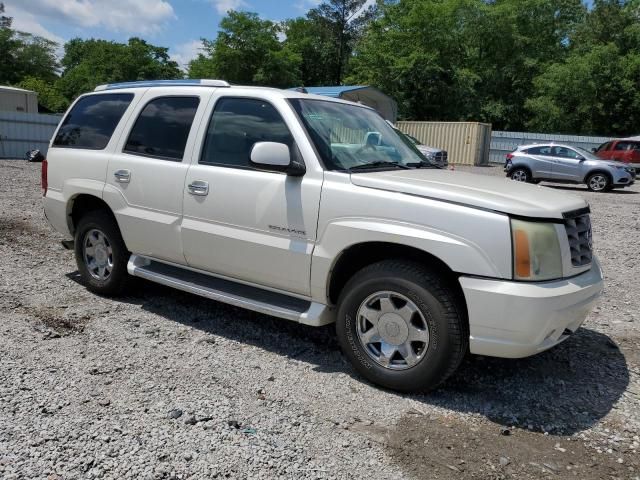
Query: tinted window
<point x="92" y="120"/>
<point x="238" y="123"/>
<point x="539" y="151"/>
<point x="565" y="152"/>
<point x="623" y="146"/>
<point x="163" y="127"/>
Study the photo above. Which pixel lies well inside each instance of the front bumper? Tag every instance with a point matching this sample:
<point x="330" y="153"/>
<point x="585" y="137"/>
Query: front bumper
<point x="518" y="319"/>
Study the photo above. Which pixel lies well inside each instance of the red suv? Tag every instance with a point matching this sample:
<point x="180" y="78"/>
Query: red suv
<point x="625" y="150"/>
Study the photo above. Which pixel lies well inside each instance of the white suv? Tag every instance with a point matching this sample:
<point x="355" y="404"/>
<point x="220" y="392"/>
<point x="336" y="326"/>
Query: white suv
<point x="316" y="211"/>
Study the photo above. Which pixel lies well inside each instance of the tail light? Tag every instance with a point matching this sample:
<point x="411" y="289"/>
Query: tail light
<point x="43" y="177"/>
<point x="509" y="156"/>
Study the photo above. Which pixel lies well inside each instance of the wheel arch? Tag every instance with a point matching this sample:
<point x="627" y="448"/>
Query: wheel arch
<point x="355" y="257"/>
<point x="83" y="203"/>
<point x="598" y="170"/>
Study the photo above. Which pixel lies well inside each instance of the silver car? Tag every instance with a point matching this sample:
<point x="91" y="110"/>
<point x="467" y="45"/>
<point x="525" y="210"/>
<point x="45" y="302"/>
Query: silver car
<point x="566" y="164"/>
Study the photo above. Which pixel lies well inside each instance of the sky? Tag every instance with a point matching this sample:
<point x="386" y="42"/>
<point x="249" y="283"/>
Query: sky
<point x="176" y="24"/>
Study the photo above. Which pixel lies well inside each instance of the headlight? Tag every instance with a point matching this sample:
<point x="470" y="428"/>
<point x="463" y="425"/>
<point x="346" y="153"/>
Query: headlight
<point x="536" y="251"/>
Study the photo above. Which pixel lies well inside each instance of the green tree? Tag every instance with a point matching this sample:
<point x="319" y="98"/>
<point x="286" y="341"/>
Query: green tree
<point x="312" y="41"/>
<point x="48" y="95"/>
<point x="339" y="24"/>
<point x="88" y="63"/>
<point x="23" y="54"/>
<point x="596" y="88"/>
<point x="247" y="51"/>
<point x="464" y="59"/>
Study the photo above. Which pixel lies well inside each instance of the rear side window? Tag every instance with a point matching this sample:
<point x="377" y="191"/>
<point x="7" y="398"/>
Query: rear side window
<point x="92" y="120"/>
<point x="238" y="123"/>
<point x="539" y="151"/>
<point x="623" y="146"/>
<point x="162" y="129"/>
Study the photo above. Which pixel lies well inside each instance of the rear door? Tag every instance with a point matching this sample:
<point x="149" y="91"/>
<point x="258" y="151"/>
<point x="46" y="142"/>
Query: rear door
<point x="145" y="176"/>
<point x="540" y="161"/>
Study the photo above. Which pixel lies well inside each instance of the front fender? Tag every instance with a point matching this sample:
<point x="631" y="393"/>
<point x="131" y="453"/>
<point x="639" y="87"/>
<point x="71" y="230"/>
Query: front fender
<point x="460" y="254"/>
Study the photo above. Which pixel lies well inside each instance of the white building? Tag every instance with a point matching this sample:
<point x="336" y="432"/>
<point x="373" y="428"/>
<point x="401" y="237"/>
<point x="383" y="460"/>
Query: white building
<point x="14" y="99"/>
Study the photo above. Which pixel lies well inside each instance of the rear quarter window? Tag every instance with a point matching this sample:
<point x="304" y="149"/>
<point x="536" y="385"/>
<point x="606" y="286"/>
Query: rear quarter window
<point x="92" y="120"/>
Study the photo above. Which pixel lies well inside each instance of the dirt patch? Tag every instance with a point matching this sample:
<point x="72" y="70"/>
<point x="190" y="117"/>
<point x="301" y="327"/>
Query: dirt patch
<point x="428" y="447"/>
<point x="57" y="320"/>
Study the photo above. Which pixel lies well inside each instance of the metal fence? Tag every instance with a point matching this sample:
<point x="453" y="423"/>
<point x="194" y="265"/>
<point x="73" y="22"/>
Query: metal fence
<point x="20" y="132"/>
<point x="505" y="142"/>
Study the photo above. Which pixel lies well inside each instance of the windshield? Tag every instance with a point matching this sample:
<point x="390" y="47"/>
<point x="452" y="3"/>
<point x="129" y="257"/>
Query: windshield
<point x="586" y="153"/>
<point x="349" y="137"/>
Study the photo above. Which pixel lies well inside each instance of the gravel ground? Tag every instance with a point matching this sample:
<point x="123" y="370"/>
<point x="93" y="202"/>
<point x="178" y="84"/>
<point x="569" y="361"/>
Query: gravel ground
<point x="162" y="384"/>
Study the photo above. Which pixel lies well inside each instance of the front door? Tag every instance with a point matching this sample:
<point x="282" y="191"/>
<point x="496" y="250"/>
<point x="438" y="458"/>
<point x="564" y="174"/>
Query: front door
<point x="145" y="176"/>
<point x="566" y="164"/>
<point x="251" y="225"/>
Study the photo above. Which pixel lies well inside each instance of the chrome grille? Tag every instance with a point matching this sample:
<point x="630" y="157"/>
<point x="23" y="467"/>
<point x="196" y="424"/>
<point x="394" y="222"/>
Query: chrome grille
<point x="579" y="236"/>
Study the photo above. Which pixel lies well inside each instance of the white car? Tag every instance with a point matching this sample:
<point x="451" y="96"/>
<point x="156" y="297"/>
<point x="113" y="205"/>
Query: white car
<point x="314" y="210"/>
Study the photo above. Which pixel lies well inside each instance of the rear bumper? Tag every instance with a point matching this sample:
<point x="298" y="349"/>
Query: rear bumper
<point x="518" y="319"/>
<point x="55" y="211"/>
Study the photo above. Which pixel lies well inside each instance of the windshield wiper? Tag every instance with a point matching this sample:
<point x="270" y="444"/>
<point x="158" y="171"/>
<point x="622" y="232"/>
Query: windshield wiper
<point x="422" y="164"/>
<point x="379" y="164"/>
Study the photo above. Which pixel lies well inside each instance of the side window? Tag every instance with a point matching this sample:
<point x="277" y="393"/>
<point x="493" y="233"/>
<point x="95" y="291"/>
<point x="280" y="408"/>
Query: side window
<point x="162" y="129"/>
<point x="539" y="151"/>
<point x="604" y="147"/>
<point x="565" y="152"/>
<point x="635" y="146"/>
<point x="622" y="146"/>
<point x="235" y="125"/>
<point x="92" y="120"/>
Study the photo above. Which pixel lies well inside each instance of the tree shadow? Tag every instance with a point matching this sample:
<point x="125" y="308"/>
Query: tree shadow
<point x="561" y="391"/>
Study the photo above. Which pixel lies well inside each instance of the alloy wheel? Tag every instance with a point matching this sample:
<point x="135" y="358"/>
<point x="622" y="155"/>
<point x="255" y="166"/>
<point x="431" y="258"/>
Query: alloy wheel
<point x="97" y="254"/>
<point x="598" y="182"/>
<point x="392" y="330"/>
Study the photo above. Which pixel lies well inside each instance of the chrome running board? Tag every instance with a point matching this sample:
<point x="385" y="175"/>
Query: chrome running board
<point x="228" y="291"/>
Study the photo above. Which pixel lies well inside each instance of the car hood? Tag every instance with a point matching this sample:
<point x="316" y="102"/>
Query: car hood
<point x="478" y="191"/>
<point x="603" y="162"/>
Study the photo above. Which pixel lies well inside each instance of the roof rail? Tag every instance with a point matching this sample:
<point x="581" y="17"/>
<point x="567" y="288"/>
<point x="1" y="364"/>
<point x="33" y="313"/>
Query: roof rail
<point x="205" y="82"/>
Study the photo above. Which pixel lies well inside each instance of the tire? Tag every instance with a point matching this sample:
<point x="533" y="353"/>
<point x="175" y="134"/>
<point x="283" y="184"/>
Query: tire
<point x="437" y="309"/>
<point x="105" y="270"/>
<point x="520" y="175"/>
<point x="598" y="182"/>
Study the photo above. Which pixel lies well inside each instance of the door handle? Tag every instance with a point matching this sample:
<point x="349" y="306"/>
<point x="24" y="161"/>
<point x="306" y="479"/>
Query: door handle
<point x="122" y="176"/>
<point x="198" y="187"/>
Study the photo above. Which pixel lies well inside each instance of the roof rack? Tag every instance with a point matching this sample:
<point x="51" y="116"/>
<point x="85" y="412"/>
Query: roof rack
<point x="205" y="82"/>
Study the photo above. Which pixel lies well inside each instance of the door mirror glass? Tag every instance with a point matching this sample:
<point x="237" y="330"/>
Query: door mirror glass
<point x="275" y="156"/>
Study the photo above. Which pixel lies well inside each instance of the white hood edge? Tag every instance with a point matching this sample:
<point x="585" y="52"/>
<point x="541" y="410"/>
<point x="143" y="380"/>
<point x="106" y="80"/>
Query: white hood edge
<point x="478" y="191"/>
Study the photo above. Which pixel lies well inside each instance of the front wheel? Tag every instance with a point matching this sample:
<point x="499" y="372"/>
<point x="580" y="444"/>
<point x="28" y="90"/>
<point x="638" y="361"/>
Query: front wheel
<point x="598" y="182"/>
<point x="402" y="326"/>
<point x="101" y="254"/>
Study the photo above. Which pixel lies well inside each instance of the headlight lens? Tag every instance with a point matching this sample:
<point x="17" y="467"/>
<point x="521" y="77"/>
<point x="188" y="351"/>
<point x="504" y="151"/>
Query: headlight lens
<point x="536" y="251"/>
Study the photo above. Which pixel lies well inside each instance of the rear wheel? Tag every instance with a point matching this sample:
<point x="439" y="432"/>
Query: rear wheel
<point x="598" y="182"/>
<point x="520" y="175"/>
<point x="402" y="326"/>
<point x="101" y="254"/>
